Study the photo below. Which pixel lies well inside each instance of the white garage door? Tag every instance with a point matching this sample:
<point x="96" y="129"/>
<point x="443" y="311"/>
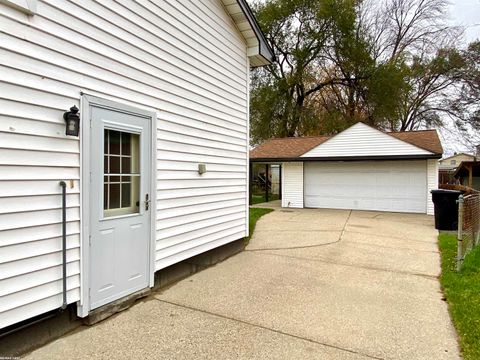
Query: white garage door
<point x="367" y="185"/>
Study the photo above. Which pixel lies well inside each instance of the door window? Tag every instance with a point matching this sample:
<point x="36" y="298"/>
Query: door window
<point x="121" y="177"/>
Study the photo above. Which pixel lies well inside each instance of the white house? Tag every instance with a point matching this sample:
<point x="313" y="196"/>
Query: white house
<point x="159" y="171"/>
<point x="360" y="168"/>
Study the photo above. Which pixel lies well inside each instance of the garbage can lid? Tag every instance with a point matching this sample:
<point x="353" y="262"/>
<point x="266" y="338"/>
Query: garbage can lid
<point x="444" y="191"/>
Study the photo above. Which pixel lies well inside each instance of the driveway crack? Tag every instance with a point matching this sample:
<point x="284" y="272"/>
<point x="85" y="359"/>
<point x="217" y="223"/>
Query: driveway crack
<point x="270" y="329"/>
<point x="309" y="246"/>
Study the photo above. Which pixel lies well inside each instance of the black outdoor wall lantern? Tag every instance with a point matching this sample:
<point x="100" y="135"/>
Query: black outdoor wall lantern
<point x="72" y="119"/>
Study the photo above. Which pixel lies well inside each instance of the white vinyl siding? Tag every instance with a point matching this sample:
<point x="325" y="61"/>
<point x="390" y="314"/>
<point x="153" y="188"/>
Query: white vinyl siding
<point x="399" y="186"/>
<point x="363" y="140"/>
<point x="432" y="183"/>
<point x="292" y="185"/>
<point x="184" y="59"/>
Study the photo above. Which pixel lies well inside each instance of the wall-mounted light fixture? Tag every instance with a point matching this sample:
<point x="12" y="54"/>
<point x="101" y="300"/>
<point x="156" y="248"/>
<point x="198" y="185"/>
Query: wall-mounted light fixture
<point x="72" y="119"/>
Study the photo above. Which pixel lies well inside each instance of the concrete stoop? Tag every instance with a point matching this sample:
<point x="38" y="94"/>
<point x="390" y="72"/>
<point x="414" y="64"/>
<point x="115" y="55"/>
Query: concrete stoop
<point x="56" y="324"/>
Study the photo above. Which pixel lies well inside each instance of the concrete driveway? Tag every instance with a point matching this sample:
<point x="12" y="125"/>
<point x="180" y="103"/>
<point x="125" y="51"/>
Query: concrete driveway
<point x="313" y="284"/>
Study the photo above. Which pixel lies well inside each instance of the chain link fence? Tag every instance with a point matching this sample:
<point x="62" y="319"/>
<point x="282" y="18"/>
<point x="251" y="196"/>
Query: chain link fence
<point x="468" y="225"/>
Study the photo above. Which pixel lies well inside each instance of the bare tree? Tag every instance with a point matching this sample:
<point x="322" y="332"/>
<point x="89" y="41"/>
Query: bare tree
<point x="413" y="34"/>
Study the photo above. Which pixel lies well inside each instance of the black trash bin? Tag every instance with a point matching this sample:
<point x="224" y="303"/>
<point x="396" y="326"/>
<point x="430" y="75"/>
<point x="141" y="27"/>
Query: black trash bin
<point x="446" y="209"/>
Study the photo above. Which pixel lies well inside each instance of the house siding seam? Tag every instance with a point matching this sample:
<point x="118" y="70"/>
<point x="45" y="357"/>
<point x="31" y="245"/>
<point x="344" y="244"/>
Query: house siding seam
<point x="362" y="140"/>
<point x="292" y="184"/>
<point x="188" y="60"/>
<point x="432" y="183"/>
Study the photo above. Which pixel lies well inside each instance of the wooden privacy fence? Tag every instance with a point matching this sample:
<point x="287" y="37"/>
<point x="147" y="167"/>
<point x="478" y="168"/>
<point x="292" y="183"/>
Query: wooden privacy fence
<point x="468" y="225"/>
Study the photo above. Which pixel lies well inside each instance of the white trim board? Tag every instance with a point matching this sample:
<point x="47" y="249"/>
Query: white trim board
<point x="363" y="140"/>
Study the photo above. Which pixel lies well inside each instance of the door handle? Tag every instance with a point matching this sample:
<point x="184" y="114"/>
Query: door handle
<point x="147" y="202"/>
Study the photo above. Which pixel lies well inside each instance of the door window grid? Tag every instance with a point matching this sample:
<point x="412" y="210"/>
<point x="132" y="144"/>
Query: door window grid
<point x="121" y="175"/>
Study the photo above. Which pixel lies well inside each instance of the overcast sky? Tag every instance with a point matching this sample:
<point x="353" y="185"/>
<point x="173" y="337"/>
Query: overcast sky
<point x="467" y="13"/>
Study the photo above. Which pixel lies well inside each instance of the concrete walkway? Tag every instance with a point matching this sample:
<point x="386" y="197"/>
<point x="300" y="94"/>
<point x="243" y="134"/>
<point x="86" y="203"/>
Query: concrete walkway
<point x="313" y="284"/>
<point x="274" y="204"/>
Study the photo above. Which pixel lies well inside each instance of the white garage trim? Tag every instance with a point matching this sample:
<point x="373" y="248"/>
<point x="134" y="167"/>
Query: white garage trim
<point x="292" y="184"/>
<point x="432" y="183"/>
<point x="399" y="186"/>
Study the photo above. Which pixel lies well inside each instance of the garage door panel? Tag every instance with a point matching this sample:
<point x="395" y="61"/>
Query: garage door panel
<point x="380" y="185"/>
<point x="329" y="202"/>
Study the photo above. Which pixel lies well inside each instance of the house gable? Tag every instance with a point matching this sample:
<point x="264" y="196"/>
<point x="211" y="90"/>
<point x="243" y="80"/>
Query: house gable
<point x="454" y="161"/>
<point x="362" y="140"/>
<point x="458" y="158"/>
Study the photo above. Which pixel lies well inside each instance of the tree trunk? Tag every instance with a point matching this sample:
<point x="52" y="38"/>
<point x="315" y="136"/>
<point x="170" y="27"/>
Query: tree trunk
<point x="296" y="116"/>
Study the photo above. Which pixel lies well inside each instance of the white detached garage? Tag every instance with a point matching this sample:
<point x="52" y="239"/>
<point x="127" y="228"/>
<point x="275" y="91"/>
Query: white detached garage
<point x="360" y="168"/>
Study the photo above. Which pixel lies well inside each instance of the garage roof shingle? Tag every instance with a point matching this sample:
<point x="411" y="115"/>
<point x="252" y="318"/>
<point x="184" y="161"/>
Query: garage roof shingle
<point x="424" y="139"/>
<point x="294" y="147"/>
<point x="287" y="147"/>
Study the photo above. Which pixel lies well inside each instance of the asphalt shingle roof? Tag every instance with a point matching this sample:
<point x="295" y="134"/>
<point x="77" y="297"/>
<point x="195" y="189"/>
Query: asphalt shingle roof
<point x="293" y="147"/>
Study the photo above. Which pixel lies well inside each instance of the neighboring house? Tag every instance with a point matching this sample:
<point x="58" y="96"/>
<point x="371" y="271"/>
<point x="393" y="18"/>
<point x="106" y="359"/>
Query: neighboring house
<point x="468" y="174"/>
<point x="447" y="167"/>
<point x="163" y="92"/>
<point x="360" y="168"/>
<point x="452" y="162"/>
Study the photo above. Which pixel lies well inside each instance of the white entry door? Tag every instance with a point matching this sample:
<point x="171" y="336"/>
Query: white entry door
<point x="398" y="186"/>
<point x="120" y="219"/>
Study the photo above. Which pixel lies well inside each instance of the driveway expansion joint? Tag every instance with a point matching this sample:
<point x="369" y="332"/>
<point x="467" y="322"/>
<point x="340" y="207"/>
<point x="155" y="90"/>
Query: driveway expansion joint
<point x="270" y="329"/>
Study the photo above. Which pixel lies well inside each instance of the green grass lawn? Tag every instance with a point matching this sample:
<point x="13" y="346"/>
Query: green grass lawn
<point x="462" y="291"/>
<point x="254" y="215"/>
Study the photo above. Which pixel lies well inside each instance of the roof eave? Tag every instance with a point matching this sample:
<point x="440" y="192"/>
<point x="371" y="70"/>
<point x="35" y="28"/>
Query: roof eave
<point x="264" y="55"/>
<point x="349" y="158"/>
